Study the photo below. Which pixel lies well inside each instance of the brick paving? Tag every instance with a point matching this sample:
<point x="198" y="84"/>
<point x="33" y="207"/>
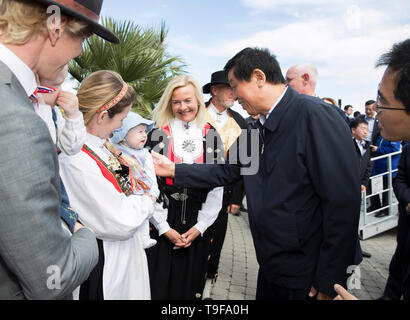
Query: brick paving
<point x="238" y="268"/>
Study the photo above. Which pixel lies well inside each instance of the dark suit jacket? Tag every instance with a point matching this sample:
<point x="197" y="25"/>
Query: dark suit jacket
<point x="237" y="191"/>
<point x="399" y="271"/>
<point x="304" y="201"/>
<point x="365" y="163"/>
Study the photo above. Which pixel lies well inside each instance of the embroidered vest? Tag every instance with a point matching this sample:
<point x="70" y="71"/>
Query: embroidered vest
<point x="170" y="152"/>
<point x="228" y="133"/>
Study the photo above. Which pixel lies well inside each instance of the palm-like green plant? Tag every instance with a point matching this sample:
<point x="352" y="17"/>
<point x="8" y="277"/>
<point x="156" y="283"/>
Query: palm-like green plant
<point x="141" y="59"/>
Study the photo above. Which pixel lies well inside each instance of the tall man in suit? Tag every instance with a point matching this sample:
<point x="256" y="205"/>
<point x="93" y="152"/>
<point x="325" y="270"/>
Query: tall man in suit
<point x="229" y="125"/>
<point x="303" y="214"/>
<point x="38" y="259"/>
<point x="370" y="117"/>
<point x="360" y="129"/>
<point x="303" y="78"/>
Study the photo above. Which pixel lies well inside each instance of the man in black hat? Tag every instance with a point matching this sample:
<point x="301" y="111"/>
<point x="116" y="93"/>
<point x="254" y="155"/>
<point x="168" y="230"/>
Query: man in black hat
<point x="229" y="125"/>
<point x="38" y="259"/>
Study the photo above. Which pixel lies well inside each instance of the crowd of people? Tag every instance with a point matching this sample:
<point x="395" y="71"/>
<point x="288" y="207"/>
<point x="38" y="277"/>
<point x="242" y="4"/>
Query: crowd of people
<point x="127" y="208"/>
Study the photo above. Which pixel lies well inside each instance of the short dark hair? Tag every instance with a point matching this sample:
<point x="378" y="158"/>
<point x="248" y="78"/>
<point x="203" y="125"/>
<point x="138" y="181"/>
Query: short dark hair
<point x="347" y="107"/>
<point x="357" y="114"/>
<point x="356" y="122"/>
<point x="250" y="59"/>
<point x="369" y="102"/>
<point x="398" y="59"/>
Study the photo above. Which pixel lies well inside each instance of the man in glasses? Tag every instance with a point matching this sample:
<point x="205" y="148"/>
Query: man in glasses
<point x="393" y="96"/>
<point x="393" y="114"/>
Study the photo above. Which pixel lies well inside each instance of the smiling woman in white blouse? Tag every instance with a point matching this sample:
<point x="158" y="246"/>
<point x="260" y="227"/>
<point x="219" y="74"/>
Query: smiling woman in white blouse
<point x="178" y="263"/>
<point x="99" y="188"/>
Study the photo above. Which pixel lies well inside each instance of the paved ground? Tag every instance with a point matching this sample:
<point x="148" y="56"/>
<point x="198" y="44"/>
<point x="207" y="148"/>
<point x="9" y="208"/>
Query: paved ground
<point x="238" y="267"/>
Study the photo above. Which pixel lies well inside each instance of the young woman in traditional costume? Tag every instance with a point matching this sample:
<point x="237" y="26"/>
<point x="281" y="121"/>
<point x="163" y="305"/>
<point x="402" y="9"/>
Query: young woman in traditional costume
<point x="101" y="189"/>
<point x="178" y="263"/>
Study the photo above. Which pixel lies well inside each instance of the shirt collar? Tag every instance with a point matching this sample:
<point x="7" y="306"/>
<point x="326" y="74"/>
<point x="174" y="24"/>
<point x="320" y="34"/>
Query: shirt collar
<point x="95" y="141"/>
<point x="262" y="117"/>
<point x="22" y="72"/>
<point x="215" y="110"/>
<point x="363" y="143"/>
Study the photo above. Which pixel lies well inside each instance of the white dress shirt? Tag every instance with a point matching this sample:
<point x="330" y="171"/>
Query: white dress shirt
<point x="22" y="72"/>
<point x="221" y="118"/>
<point x="361" y="146"/>
<point x="370" y="122"/>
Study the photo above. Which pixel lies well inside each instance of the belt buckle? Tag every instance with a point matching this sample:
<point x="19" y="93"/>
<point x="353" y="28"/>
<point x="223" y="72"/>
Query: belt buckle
<point x="179" y="196"/>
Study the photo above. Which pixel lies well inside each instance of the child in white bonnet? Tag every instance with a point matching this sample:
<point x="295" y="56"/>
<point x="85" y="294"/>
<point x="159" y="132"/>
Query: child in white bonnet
<point x="130" y="139"/>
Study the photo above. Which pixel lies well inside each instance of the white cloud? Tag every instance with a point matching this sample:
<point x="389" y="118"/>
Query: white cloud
<point x="269" y="4"/>
<point x="344" y="40"/>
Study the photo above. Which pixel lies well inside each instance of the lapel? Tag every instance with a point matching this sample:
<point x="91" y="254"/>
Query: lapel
<point x="8" y="81"/>
<point x="274" y="130"/>
<point x="356" y="147"/>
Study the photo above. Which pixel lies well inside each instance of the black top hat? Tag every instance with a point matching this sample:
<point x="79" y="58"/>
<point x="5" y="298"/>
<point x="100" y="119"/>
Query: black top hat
<point x="85" y="10"/>
<point x="218" y="77"/>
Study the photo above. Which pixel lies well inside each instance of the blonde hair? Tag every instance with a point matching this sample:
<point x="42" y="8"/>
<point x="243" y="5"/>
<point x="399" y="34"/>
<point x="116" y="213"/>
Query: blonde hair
<point x="100" y="88"/>
<point x="330" y="100"/>
<point x="162" y="114"/>
<point x="20" y="20"/>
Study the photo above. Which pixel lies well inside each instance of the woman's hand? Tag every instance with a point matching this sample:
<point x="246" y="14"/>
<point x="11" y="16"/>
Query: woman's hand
<point x="178" y="240"/>
<point x="190" y="236"/>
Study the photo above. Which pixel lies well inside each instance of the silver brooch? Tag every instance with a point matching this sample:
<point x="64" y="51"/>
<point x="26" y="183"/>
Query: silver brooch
<point x="188" y="146"/>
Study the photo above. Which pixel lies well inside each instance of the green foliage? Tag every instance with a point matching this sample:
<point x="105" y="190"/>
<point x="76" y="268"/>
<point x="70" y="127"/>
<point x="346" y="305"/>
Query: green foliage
<point x="141" y="59"/>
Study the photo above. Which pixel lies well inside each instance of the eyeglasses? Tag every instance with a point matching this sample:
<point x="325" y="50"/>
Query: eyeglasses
<point x="378" y="107"/>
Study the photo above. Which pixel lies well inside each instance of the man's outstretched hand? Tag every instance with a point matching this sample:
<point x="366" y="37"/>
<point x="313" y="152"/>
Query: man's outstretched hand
<point x="163" y="166"/>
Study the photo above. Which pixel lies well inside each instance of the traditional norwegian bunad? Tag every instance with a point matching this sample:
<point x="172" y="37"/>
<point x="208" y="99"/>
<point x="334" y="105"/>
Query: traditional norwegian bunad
<point x="101" y="192"/>
<point x="180" y="274"/>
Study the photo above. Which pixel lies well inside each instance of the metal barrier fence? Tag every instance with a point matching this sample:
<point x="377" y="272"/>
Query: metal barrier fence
<point x="370" y="225"/>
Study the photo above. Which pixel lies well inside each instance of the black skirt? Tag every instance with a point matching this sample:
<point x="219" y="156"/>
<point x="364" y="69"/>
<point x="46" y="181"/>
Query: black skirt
<point x="179" y="274"/>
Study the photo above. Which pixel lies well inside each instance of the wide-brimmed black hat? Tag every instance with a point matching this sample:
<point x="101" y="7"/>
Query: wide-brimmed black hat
<point x="85" y="10"/>
<point x="218" y="77"/>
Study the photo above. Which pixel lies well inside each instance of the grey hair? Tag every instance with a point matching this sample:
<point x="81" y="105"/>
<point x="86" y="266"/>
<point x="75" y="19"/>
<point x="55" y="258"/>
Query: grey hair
<point x="308" y="68"/>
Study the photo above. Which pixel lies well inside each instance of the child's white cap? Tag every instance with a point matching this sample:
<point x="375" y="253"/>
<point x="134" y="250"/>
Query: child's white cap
<point x="132" y="120"/>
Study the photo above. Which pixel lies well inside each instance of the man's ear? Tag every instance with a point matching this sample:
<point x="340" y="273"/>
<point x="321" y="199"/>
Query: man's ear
<point x="55" y="31"/>
<point x="259" y="76"/>
<point x="213" y="91"/>
<point x="306" y="77"/>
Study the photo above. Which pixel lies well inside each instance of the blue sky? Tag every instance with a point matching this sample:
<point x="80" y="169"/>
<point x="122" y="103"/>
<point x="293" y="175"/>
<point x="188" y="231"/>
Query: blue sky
<point x="342" y="38"/>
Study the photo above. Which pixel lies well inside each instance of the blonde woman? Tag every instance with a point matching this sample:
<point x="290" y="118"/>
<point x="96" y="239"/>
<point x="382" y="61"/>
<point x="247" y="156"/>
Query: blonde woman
<point x="100" y="190"/>
<point x="178" y="262"/>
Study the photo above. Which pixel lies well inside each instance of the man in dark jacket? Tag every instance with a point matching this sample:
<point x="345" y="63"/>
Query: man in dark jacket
<point x="393" y="115"/>
<point x="229" y="125"/>
<point x="359" y="128"/>
<point x="303" y="213"/>
<point x="393" y="108"/>
<point x="398" y="283"/>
